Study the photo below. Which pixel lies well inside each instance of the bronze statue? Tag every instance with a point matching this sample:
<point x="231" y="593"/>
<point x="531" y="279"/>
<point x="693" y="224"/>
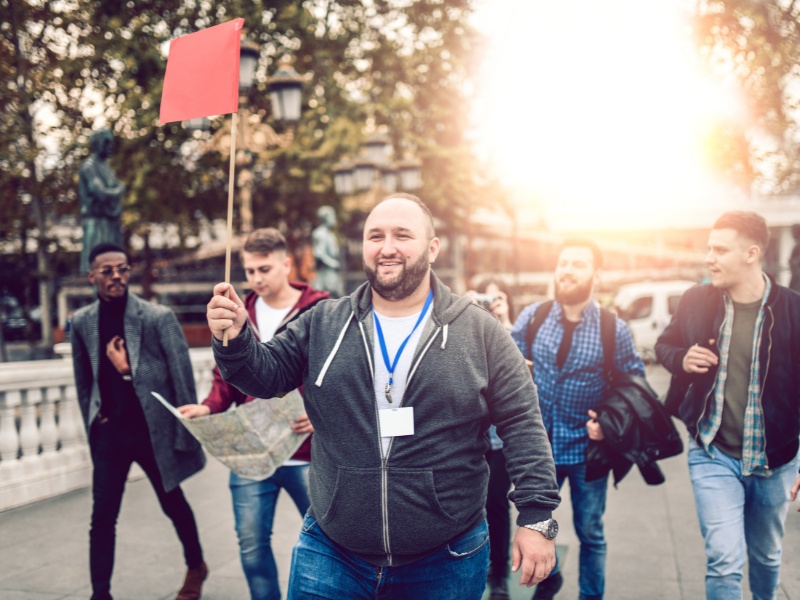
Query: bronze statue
<point x="327" y="259"/>
<point x="100" y="195"/>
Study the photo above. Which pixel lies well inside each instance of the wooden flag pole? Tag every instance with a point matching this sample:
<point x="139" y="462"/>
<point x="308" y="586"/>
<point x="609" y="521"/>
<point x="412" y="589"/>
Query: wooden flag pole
<point x="231" y="170"/>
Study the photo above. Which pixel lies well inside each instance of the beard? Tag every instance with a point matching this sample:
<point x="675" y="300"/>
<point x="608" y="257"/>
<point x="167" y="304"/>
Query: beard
<point x="580" y="293"/>
<point x="404" y="284"/>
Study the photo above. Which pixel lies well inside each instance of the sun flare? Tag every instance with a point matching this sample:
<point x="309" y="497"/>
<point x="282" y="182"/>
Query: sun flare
<point x="597" y="110"/>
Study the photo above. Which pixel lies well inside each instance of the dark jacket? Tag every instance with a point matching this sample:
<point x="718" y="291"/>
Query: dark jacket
<point x="159" y="360"/>
<point x="699" y="318"/>
<point x="637" y="430"/>
<point x="466" y="374"/>
<point x="223" y="395"/>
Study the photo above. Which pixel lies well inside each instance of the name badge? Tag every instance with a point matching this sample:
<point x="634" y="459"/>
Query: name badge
<point x="396" y="421"/>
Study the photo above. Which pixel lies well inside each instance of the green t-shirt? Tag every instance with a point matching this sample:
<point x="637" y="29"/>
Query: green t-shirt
<point x="740" y="361"/>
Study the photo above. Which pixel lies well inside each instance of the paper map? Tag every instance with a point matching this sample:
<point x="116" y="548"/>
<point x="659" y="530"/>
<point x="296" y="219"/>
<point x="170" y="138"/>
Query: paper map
<point x="252" y="439"/>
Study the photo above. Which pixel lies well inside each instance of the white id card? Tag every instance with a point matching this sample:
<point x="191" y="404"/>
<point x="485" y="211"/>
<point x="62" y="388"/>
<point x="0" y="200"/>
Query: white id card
<point x="396" y="421"/>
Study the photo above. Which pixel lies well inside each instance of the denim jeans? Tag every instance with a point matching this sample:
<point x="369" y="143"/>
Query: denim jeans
<point x="588" y="507"/>
<point x="114" y="448"/>
<point x="738" y="512"/>
<point x="254" y="512"/>
<point x="323" y="569"/>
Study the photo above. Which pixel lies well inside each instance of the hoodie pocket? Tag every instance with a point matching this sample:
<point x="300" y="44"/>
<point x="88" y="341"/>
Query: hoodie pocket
<point x="417" y="520"/>
<point x="353" y="515"/>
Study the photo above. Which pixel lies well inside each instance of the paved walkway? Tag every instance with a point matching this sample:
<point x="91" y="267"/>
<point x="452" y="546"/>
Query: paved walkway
<point x="655" y="547"/>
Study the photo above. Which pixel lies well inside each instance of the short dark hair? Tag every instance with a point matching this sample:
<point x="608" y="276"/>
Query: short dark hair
<point x="597" y="255"/>
<point x="747" y="223"/>
<point x="265" y="241"/>
<point x="102" y="248"/>
<point x="416" y="200"/>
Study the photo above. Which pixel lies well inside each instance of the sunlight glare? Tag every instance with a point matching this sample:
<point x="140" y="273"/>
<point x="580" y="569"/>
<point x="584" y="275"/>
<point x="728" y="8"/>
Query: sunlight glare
<point x="596" y="108"/>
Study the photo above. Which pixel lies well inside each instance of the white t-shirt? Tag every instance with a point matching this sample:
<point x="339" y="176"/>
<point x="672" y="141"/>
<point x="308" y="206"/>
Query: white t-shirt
<point x="268" y="320"/>
<point x="395" y="330"/>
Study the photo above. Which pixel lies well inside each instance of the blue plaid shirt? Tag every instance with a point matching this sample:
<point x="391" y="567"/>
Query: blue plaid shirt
<point x="567" y="394"/>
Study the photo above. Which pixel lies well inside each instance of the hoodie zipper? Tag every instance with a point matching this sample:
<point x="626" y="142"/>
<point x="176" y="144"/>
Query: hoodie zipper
<point x="384" y="474"/>
<point x="385" y="459"/>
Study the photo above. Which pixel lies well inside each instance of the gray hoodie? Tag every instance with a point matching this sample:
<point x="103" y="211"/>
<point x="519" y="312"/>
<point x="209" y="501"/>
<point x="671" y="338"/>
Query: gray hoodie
<point x="431" y="487"/>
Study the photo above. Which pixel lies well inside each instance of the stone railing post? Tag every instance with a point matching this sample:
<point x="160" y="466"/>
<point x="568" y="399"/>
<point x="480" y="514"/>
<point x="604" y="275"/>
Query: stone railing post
<point x="48" y="431"/>
<point x="29" y="431"/>
<point x="9" y="438"/>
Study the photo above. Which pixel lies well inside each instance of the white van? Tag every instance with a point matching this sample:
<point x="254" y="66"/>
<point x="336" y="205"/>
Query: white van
<point x="647" y="307"/>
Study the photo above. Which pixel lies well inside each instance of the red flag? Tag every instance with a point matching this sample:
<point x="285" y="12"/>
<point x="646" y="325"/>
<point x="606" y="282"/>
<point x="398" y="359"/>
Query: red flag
<point x="202" y="77"/>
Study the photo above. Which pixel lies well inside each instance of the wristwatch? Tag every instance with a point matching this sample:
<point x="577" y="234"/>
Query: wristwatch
<point x="548" y="528"/>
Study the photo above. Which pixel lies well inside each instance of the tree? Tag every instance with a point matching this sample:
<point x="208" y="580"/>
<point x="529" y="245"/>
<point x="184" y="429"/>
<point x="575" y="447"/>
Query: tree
<point x="35" y="39"/>
<point x="405" y="66"/>
<point x="759" y="42"/>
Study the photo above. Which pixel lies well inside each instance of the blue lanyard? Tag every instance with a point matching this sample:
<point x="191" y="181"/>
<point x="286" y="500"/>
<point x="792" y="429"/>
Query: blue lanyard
<point x="391" y="365"/>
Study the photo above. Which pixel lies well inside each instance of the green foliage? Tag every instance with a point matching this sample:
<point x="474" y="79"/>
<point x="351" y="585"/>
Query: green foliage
<point x="759" y="42"/>
<point x="405" y="66"/>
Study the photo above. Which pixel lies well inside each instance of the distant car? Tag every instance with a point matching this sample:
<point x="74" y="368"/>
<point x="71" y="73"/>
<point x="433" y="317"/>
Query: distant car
<point x="647" y="307"/>
<point x="12" y="318"/>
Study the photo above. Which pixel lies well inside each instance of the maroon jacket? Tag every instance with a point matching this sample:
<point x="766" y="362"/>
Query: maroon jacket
<point x="222" y="394"/>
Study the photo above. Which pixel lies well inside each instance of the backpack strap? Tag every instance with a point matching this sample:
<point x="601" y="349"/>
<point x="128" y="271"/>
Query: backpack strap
<point x="608" y="336"/>
<point x="539" y="315"/>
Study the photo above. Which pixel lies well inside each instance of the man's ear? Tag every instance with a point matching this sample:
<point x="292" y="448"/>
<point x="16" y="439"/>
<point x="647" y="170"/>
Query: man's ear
<point x="753" y="254"/>
<point x="433" y="248"/>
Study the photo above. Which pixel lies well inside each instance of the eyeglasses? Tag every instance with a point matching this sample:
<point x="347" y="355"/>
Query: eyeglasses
<point x="109" y="271"/>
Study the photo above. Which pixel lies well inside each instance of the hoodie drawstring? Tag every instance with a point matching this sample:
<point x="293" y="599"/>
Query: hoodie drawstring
<point x="329" y="360"/>
<point x="444" y="336"/>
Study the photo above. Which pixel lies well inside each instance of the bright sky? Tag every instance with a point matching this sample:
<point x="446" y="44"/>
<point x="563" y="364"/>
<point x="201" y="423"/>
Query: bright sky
<point x="597" y="110"/>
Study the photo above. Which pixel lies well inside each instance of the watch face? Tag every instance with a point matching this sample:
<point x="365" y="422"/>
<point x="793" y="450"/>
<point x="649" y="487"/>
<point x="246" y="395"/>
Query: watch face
<point x="552" y="529"/>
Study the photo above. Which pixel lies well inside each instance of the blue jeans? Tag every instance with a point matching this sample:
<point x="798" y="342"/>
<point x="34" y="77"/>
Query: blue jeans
<point x="588" y="507"/>
<point x="735" y="512"/>
<point x="323" y="569"/>
<point x="254" y="511"/>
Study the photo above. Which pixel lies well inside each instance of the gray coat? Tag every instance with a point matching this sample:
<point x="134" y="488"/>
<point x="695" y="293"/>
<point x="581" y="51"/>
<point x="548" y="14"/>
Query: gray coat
<point x="466" y="374"/>
<point x="159" y="360"/>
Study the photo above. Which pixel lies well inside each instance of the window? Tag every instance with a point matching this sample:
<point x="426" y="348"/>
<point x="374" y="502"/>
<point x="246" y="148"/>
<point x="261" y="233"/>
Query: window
<point x="672" y="303"/>
<point x="639" y="309"/>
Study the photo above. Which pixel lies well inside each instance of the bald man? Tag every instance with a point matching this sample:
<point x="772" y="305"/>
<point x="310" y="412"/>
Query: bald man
<point x="402" y="380"/>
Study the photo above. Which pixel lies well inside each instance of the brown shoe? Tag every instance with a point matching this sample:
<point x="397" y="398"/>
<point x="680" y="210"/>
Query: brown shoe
<point x="193" y="584"/>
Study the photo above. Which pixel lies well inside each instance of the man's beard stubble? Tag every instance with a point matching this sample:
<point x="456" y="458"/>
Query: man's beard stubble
<point x="575" y="296"/>
<point x="408" y="281"/>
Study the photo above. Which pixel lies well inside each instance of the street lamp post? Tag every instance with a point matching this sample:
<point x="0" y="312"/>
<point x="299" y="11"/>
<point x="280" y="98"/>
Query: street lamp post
<point x="285" y="90"/>
<point x="361" y="182"/>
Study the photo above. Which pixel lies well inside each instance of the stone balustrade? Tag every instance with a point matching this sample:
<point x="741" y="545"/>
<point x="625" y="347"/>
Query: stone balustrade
<point x="43" y="448"/>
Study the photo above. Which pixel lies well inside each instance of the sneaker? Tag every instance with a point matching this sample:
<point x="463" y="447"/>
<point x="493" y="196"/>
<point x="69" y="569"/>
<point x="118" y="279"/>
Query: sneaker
<point x="498" y="590"/>
<point x="547" y="589"/>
